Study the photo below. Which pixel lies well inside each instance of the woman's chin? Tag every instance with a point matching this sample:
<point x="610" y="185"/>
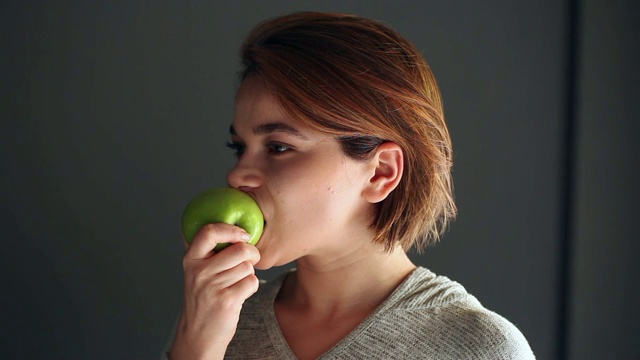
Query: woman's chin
<point x="267" y="262"/>
<point x="261" y="266"/>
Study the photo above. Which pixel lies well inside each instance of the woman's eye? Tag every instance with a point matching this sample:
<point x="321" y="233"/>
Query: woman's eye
<point x="276" y="148"/>
<point x="237" y="148"/>
<point x="272" y="148"/>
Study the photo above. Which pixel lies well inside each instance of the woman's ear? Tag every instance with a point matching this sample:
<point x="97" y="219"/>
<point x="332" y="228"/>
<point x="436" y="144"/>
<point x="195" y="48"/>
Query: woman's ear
<point x="388" y="165"/>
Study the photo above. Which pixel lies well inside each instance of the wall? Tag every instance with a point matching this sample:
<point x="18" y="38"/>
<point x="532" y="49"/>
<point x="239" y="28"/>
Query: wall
<point x="115" y="114"/>
<point x="604" y="273"/>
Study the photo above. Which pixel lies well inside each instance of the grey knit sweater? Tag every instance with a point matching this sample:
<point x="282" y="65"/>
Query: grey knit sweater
<point x="426" y="317"/>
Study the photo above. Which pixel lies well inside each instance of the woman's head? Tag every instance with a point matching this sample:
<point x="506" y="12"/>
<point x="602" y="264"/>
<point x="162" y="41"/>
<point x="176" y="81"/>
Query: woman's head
<point x="360" y="81"/>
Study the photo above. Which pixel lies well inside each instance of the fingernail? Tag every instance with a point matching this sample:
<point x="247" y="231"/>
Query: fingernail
<point x="245" y="236"/>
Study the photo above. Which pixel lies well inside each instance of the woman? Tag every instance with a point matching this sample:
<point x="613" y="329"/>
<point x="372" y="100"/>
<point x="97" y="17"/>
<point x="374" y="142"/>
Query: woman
<point x="340" y="137"/>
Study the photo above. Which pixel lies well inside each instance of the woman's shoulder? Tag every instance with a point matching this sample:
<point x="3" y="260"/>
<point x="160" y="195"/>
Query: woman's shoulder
<point x="487" y="334"/>
<point x="423" y="289"/>
<point x="447" y="321"/>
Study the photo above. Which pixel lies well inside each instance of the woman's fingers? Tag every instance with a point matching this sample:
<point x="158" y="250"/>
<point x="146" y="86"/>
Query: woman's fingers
<point x="247" y="286"/>
<point x="234" y="275"/>
<point x="225" y="271"/>
<point x="231" y="256"/>
<point x="211" y="235"/>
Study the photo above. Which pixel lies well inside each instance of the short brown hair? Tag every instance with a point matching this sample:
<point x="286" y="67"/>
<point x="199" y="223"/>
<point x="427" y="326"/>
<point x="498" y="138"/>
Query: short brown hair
<point x="362" y="82"/>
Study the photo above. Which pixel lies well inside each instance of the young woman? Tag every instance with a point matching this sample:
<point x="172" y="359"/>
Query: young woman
<point x="340" y="137"/>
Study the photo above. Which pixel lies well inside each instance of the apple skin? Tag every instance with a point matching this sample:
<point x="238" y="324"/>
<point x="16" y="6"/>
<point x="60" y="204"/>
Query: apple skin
<point x="223" y="205"/>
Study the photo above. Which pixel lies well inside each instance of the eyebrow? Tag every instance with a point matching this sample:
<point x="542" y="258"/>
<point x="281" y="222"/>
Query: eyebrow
<point x="269" y="128"/>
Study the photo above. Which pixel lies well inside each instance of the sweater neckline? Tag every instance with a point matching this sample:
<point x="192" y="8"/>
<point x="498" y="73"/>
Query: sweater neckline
<point x="280" y="343"/>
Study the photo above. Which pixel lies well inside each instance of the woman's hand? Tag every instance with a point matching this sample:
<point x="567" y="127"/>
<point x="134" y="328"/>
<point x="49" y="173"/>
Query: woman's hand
<point x="216" y="286"/>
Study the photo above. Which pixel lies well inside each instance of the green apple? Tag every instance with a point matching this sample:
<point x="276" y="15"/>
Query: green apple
<point x="223" y="205"/>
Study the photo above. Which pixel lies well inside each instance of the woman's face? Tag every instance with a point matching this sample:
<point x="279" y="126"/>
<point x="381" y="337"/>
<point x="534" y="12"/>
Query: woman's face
<point x="309" y="191"/>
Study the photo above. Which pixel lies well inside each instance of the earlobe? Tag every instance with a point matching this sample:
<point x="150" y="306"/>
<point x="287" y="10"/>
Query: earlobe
<point x="388" y="166"/>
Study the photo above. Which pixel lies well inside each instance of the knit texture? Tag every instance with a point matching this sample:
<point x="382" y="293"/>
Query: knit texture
<point x="426" y="317"/>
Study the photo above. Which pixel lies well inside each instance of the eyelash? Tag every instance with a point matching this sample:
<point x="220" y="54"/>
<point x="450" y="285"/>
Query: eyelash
<point x="238" y="149"/>
<point x="272" y="147"/>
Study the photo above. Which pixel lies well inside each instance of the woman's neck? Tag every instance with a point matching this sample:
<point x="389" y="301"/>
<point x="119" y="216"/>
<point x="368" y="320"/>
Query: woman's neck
<point x="359" y="280"/>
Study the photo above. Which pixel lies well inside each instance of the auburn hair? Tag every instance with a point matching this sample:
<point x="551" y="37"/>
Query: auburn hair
<point x="362" y="82"/>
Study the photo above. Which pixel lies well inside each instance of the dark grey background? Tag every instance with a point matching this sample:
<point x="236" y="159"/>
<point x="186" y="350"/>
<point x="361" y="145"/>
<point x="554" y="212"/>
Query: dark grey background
<point x="115" y="113"/>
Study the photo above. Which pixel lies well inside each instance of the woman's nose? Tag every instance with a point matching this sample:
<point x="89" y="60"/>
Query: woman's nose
<point x="246" y="174"/>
